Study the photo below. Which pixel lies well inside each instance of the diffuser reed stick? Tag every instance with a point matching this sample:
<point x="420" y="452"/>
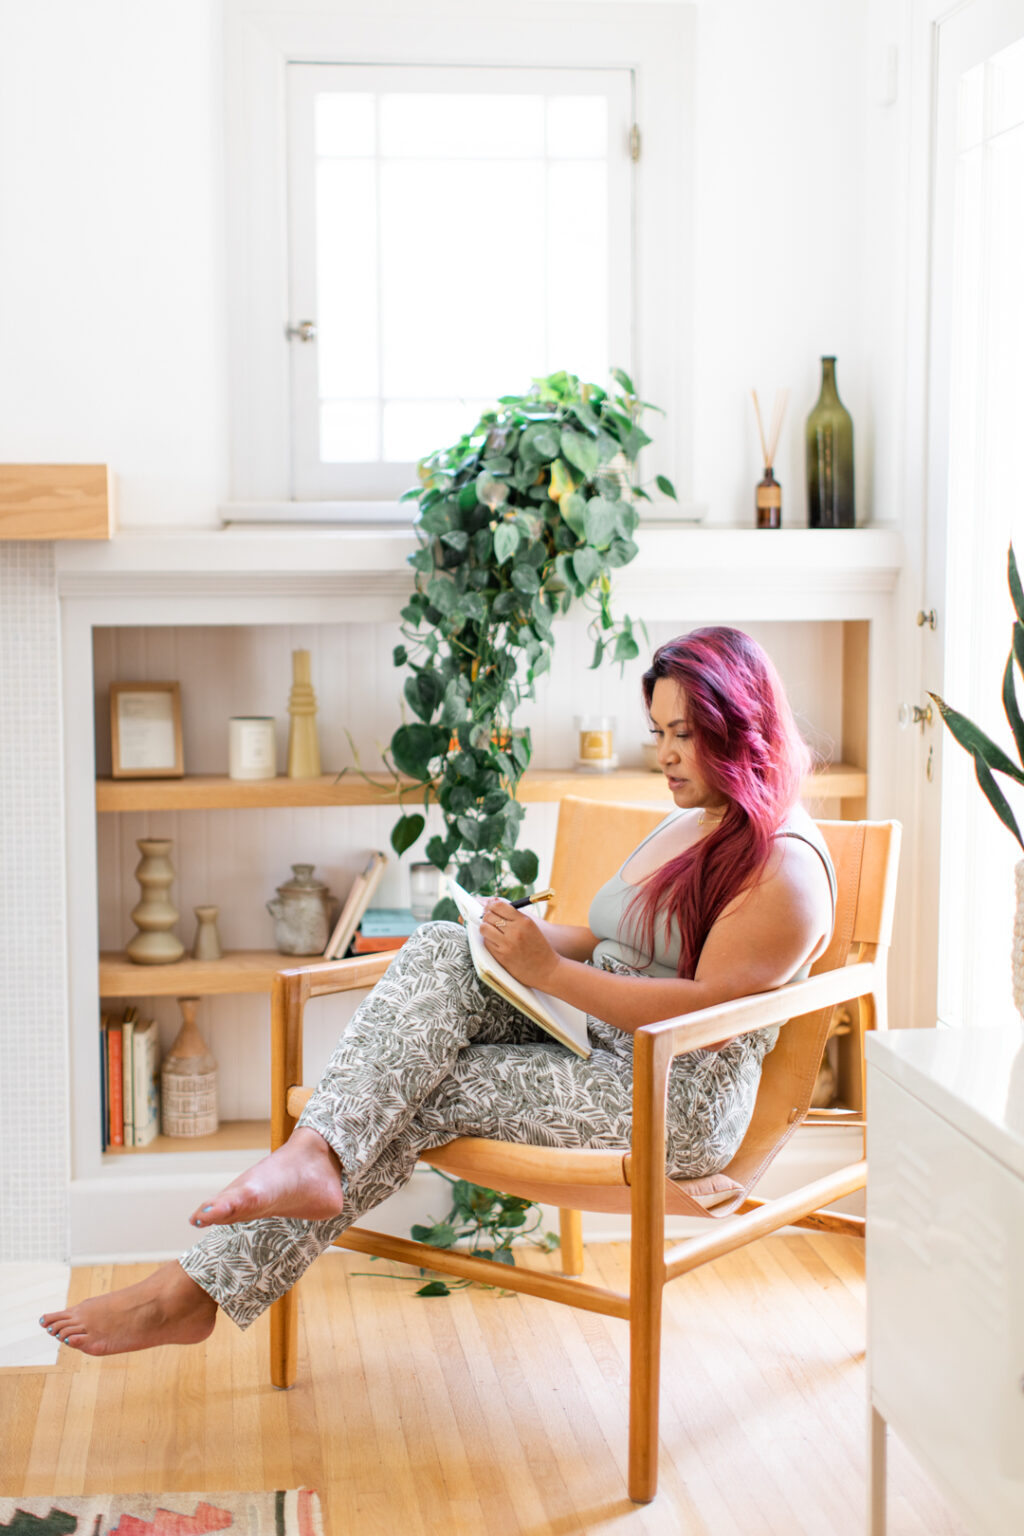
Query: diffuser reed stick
<point x="768" y="499"/>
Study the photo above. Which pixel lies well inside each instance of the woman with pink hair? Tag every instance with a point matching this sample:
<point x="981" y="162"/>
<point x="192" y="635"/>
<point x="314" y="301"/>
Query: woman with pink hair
<point x="732" y="893"/>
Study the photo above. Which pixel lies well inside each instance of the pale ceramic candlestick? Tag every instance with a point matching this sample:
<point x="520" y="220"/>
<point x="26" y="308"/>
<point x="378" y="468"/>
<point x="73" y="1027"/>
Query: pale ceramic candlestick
<point x="303" y="746"/>
<point x="155" y="914"/>
<point x="207" y="939"/>
<point x="188" y="1080"/>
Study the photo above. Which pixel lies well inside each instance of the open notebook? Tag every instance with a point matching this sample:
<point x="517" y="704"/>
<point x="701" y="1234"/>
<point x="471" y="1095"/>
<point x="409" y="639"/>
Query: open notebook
<point x="566" y="1024"/>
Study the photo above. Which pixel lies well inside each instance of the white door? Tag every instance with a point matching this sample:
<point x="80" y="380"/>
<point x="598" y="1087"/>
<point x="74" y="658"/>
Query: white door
<point x="975" y="501"/>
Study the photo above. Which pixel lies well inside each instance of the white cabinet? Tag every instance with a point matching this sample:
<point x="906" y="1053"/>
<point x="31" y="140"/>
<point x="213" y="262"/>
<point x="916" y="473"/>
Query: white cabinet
<point x="945" y="1265"/>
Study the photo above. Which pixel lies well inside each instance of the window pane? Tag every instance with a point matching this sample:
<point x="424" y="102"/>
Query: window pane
<point x="414" y="428"/>
<point x="464" y="127"/>
<point x="346" y="267"/>
<point x="345" y="123"/>
<point x="349" y="431"/>
<point x="577" y="296"/>
<point x="578" y="127"/>
<point x="1006" y="88"/>
<point x="462" y="298"/>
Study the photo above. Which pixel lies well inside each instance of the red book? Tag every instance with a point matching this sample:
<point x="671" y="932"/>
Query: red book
<point x="115" y="1085"/>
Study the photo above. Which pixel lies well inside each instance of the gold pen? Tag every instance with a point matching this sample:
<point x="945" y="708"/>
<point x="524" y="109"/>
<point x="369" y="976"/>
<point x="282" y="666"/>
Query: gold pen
<point x="528" y="901"/>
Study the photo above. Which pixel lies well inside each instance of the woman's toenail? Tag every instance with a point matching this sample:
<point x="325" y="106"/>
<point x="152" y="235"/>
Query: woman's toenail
<point x="197" y="1222"/>
<point x="207" y="1207"/>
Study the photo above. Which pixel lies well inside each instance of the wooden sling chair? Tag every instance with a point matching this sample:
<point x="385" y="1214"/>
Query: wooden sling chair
<point x="593" y="840"/>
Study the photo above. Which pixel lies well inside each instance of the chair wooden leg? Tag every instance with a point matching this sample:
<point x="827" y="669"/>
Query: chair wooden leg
<point x="647" y="1263"/>
<point x="570" y="1227"/>
<point x="284" y="1340"/>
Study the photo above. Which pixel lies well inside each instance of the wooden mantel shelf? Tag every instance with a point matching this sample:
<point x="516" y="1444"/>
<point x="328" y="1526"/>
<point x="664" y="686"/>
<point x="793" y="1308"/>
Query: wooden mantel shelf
<point x="237" y="971"/>
<point x="55" y="501"/>
<point x="216" y="792"/>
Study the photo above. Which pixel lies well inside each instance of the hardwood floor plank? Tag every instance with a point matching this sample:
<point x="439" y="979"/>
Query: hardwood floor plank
<point x="490" y="1415"/>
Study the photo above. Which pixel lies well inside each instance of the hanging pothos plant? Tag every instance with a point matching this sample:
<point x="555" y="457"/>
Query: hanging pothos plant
<point x="528" y="513"/>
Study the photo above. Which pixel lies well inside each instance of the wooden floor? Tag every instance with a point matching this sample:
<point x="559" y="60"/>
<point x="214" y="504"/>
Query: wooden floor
<point x="489" y="1415"/>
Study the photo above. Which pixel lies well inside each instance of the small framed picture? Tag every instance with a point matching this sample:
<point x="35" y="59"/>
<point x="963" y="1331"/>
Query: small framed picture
<point x="145" y="731"/>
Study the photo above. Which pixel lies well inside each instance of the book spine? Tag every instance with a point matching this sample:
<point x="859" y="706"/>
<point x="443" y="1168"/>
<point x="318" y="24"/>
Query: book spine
<point x="128" y="1080"/>
<point x="146" y="1089"/>
<point x="115" y="1091"/>
<point x="104" y="1078"/>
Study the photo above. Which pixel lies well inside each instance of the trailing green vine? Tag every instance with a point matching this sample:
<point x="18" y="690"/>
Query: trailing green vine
<point x="530" y="512"/>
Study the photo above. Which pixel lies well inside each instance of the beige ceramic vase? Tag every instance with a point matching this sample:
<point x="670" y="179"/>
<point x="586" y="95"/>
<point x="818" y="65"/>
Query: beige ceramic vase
<point x="155" y="915"/>
<point x="188" y="1080"/>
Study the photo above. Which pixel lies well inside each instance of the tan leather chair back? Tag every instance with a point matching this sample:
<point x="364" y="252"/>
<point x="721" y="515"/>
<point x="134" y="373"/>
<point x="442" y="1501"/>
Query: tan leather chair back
<point x="864" y="855"/>
<point x="594" y="840"/>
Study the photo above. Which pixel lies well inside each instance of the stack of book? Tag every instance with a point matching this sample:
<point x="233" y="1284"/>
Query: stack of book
<point x="356" y="904"/>
<point x="130" y="1080"/>
<point x="383" y="928"/>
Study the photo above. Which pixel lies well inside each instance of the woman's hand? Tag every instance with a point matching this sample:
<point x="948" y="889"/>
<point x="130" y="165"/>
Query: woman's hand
<point x="518" y="944"/>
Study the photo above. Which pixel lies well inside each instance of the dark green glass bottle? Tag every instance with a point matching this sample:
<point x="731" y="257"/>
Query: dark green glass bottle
<point x="829" y="457"/>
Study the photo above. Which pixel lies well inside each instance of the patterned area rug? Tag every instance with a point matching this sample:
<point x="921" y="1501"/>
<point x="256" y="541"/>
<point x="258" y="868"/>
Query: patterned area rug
<point x="288" y="1512"/>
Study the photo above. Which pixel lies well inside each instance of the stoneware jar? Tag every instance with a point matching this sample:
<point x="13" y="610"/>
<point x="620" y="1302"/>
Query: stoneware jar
<point x="302" y="913"/>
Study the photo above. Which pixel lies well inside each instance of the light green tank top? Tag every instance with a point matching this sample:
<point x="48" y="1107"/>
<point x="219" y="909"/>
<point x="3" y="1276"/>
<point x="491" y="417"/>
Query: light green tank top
<point x="617" y="930"/>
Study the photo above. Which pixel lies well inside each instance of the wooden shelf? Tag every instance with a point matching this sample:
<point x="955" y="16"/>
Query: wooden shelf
<point x="238" y="971"/>
<point x="216" y="792"/>
<point x="55" y="501"/>
<point x="233" y="1136"/>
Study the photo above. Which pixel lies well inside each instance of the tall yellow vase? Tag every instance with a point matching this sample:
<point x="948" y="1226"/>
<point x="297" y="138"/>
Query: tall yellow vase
<point x="303" y="746"/>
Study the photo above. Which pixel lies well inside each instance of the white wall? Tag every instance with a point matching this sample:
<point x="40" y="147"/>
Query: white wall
<point x="111" y="265"/>
<point x="113" y="282"/>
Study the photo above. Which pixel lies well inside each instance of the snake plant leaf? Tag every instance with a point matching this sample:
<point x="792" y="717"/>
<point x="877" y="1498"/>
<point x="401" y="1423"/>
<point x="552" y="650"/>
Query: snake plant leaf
<point x="1018" y="645"/>
<point x="996" y="799"/>
<point x="974" y="740"/>
<point x="1010" y="703"/>
<point x="1016" y="590"/>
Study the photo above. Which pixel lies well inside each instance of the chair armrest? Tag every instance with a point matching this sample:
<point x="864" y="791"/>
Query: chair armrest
<point x="327" y="976"/>
<point x="759" y="1010"/>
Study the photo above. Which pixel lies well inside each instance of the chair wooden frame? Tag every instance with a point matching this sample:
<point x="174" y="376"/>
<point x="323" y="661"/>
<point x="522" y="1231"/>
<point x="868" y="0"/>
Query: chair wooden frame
<point x="852" y="971"/>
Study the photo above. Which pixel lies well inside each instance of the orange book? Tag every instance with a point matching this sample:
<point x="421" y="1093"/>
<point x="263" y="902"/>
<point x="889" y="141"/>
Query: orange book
<point x="115" y="1084"/>
<point x="373" y="944"/>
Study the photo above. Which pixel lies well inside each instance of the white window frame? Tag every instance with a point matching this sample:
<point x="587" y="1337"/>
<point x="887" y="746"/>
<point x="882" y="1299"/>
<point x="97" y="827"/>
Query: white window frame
<point x="655" y="41"/>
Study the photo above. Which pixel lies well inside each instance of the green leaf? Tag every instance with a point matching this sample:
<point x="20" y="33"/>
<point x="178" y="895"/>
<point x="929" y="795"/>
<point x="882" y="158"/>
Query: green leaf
<point x="626" y="648"/>
<point x="995" y="797"/>
<point x="586" y="564"/>
<point x="1010" y="705"/>
<point x="437" y="852"/>
<point x="598" y="654"/>
<point x="503" y="1256"/>
<point x="540" y="442"/>
<point x="434" y="1288"/>
<point x="1016" y="591"/>
<point x="405" y="832"/>
<point x="441" y="1235"/>
<point x="423" y="692"/>
<point x="525" y="579"/>
<point x="445" y="911"/>
<point x="413" y="747"/>
<point x="632" y="442"/>
<point x="422" y="560"/>
<point x="467" y="497"/>
<point x="600" y="521"/>
<point x="458" y="541"/>
<point x="493" y="493"/>
<point x="524" y="865"/>
<point x="444" y="595"/>
<point x="623" y="379"/>
<point x="974" y="741"/>
<point x="573" y="509"/>
<point x="506" y="542"/>
<point x="665" y="486"/>
<point x="399" y="655"/>
<point x="581" y="450"/>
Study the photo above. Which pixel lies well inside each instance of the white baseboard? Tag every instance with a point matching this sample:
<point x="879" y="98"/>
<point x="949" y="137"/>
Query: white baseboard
<point x="129" y="1219"/>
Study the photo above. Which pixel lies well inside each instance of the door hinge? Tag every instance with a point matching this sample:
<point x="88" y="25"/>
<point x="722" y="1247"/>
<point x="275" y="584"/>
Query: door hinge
<point x="634" y="142"/>
<point x="304" y="330"/>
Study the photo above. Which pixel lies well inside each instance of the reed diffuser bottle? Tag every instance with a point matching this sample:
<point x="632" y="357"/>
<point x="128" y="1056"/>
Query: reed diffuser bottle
<point x="830" y="457"/>
<point x="768" y="496"/>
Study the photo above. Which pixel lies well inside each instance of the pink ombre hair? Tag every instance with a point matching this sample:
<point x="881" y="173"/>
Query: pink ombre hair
<point x="750" y="751"/>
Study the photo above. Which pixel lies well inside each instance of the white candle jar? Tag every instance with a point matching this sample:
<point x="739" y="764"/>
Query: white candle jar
<point x="252" y="747"/>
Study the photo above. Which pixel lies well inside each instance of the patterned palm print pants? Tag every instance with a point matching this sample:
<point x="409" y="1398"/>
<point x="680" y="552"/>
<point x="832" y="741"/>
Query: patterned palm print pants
<point x="432" y="1054"/>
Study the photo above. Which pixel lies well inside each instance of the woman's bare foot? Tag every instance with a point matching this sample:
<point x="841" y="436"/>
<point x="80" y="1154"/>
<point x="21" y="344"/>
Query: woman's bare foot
<point x="302" y="1178"/>
<point x="165" y="1308"/>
